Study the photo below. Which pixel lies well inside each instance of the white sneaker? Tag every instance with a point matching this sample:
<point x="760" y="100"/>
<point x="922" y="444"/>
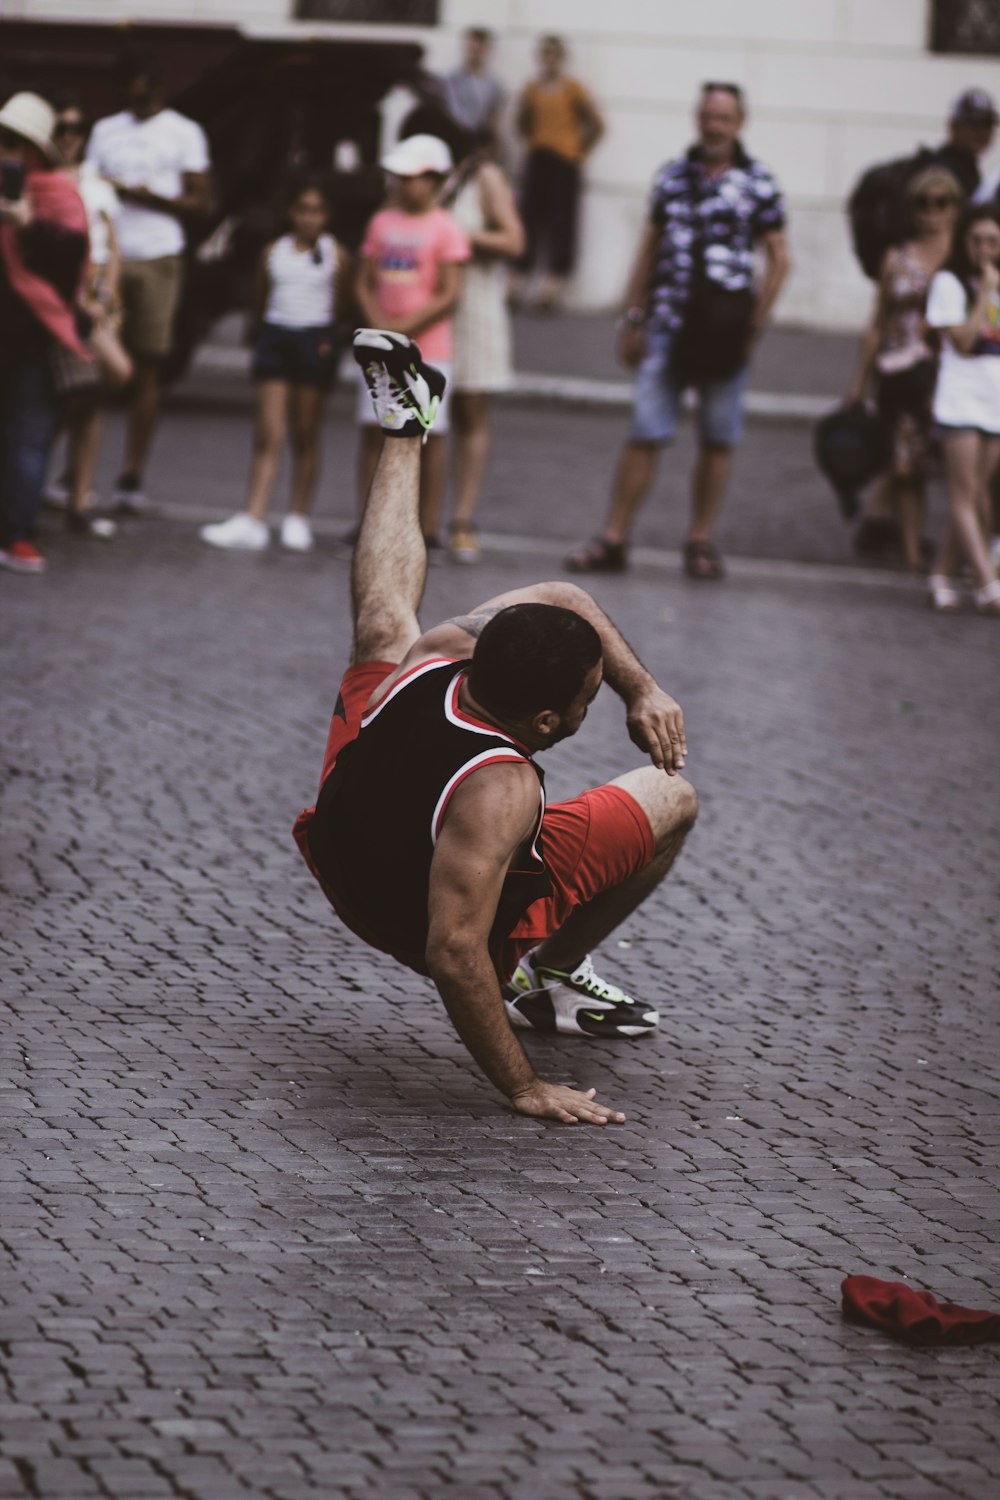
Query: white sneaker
<point x="581" y="1002"/>
<point x="241" y="533"/>
<point x="296" y="534"/>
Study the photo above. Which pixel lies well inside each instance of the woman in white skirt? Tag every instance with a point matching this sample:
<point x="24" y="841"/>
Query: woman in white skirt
<point x="478" y="195"/>
<point x="964" y="304"/>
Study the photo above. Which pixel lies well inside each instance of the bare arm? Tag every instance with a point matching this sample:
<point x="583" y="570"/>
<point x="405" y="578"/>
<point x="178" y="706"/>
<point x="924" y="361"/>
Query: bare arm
<point x="631" y="338"/>
<point x="443" y="302"/>
<point x="342" y="284"/>
<point x="503" y="235"/>
<point x="965" y="335"/>
<point x="591" y="124"/>
<point x="366" y="294"/>
<point x="261" y="287"/>
<point x="193" y="203"/>
<point x="871" y="338"/>
<point x="489" y="817"/>
<point x="778" y="263"/>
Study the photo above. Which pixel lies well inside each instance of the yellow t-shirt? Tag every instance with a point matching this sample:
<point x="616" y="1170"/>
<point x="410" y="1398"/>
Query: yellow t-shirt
<point x="555" y="116"/>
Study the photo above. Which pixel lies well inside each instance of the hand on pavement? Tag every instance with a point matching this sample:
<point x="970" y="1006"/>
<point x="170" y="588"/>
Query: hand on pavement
<point x="656" y="724"/>
<point x="557" y="1101"/>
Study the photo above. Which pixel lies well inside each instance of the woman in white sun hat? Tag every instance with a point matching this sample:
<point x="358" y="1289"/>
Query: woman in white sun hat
<point x="43" y="261"/>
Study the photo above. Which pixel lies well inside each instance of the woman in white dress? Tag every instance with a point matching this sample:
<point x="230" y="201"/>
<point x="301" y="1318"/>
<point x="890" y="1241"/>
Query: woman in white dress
<point x="964" y="305"/>
<point x="478" y="195"/>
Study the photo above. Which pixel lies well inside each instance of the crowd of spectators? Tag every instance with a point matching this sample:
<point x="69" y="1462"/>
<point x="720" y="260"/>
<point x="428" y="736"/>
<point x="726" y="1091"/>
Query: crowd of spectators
<point x="94" y="226"/>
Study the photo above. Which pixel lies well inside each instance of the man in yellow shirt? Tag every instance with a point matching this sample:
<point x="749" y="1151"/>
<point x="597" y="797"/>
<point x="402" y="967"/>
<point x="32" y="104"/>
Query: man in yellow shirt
<point x="561" y="125"/>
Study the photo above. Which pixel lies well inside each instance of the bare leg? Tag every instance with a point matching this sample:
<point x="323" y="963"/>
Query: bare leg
<point x="878" y="506"/>
<point x="637" y="465"/>
<point x="369" y="447"/>
<point x="470" y="415"/>
<point x="671" y="805"/>
<point x="83" y="447"/>
<point x="142" y="416"/>
<point x="965" y="464"/>
<point x="909" y="497"/>
<point x="708" y="488"/>
<point x="433" y="479"/>
<point x="306" y="412"/>
<point x="390" y="559"/>
<point x="268" y="436"/>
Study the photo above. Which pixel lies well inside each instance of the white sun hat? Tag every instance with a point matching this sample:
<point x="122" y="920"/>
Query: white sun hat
<point x="418" y="154"/>
<point x="31" y="116"/>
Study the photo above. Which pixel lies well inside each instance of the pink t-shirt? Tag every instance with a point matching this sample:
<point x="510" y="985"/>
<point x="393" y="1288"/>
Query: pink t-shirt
<point x="408" y="250"/>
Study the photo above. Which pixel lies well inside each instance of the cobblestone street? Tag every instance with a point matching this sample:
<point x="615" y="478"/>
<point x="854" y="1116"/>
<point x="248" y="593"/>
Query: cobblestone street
<point x="269" y="1233"/>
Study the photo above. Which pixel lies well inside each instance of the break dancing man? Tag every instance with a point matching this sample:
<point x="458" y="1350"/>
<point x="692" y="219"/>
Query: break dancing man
<point x="430" y="836"/>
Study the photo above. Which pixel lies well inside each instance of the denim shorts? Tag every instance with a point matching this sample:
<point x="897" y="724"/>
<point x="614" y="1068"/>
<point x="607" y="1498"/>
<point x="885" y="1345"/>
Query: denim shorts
<point x="658" y="400"/>
<point x="298" y="356"/>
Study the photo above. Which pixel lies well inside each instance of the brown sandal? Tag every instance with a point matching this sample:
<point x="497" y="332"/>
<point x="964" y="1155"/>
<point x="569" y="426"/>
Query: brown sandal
<point x="702" y="561"/>
<point x="599" y="556"/>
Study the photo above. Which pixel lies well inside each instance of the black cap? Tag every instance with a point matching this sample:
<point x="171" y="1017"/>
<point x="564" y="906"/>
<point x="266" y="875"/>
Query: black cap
<point x="974" y="107"/>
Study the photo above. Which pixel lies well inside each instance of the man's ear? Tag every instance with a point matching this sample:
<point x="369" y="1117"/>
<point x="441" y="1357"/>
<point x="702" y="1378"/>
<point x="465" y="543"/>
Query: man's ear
<point x="547" y="723"/>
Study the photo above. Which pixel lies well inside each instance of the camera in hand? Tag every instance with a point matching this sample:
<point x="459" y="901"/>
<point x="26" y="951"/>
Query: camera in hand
<point x="11" y="180"/>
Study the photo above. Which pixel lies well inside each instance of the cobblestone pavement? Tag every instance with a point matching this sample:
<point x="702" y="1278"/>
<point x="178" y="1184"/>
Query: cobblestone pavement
<point x="267" y="1231"/>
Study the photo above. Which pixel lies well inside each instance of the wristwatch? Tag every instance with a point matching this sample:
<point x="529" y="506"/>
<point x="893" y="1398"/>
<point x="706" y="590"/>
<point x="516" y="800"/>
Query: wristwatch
<point x="632" y="317"/>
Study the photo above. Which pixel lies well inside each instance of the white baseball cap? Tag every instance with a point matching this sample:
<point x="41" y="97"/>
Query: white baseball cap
<point x="33" y="119"/>
<point x="418" y="154"/>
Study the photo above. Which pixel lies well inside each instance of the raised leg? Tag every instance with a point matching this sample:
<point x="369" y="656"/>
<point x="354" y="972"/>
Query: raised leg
<point x="390" y="559"/>
<point x="671" y="805"/>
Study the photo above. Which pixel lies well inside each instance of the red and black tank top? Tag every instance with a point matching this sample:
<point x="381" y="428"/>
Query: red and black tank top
<point x="380" y="810"/>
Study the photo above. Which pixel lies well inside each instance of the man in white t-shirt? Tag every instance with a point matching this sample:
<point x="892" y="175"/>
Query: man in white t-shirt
<point x="157" y="161"/>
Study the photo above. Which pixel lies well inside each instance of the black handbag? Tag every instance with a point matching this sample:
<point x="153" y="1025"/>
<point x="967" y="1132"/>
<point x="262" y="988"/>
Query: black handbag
<point x="713" y="341"/>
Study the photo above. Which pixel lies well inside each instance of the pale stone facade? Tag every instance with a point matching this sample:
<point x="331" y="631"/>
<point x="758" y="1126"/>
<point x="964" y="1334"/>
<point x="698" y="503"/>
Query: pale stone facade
<point x="833" y="86"/>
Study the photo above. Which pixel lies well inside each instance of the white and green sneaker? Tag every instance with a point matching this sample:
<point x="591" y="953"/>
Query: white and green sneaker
<point x="406" y="393"/>
<point x="541" y="999"/>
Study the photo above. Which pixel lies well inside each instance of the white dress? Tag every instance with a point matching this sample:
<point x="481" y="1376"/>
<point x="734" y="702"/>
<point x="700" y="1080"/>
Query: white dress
<point x="482" y="322"/>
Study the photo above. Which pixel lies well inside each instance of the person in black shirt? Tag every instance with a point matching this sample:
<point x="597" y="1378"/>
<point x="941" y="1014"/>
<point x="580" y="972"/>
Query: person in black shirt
<point x="430" y="836"/>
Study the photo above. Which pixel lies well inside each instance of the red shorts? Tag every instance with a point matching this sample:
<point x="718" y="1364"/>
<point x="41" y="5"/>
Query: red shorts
<point x="590" y="843"/>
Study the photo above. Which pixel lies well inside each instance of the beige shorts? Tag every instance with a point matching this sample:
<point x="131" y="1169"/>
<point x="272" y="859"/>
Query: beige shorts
<point x="150" y="292"/>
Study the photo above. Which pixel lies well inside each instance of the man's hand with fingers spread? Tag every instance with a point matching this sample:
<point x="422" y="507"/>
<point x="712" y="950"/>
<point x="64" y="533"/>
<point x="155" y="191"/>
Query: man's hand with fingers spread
<point x="557" y="1101"/>
<point x="656" y="724"/>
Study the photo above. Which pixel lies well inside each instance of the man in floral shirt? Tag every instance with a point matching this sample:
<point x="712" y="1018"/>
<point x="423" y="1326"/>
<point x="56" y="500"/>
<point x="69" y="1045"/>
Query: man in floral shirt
<point x="692" y="316"/>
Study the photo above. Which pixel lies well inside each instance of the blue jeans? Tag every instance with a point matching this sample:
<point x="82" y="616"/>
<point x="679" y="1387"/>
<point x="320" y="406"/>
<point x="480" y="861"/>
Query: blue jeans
<point x="27" y="427"/>
<point x="658" y="400"/>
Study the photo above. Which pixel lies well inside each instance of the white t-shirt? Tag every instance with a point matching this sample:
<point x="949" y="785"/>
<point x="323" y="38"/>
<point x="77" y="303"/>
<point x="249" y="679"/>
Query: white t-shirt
<point x="153" y="153"/>
<point x="300" y="283"/>
<point x="968" y="385"/>
<point x="102" y="204"/>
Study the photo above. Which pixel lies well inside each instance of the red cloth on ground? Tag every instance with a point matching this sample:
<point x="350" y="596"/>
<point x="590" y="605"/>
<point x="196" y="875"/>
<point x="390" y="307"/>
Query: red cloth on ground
<point x="53" y="196"/>
<point x="915" y="1317"/>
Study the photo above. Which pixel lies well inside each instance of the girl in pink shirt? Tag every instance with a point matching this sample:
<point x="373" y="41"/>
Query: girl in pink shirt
<point x="409" y="281"/>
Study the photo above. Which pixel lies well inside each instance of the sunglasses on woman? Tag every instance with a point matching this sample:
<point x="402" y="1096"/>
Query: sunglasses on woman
<point x="933" y="202"/>
<point x="70" y="127"/>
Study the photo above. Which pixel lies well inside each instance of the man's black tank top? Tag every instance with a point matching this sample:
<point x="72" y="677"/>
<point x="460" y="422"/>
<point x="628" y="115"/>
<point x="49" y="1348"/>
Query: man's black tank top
<point x="380" y="809"/>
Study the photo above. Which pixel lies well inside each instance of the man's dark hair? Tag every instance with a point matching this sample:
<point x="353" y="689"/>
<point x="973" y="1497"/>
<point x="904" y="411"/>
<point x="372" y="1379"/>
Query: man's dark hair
<point x="479" y="34"/>
<point x="959" y="263"/>
<point x="531" y="657"/>
<point x="139" y="65"/>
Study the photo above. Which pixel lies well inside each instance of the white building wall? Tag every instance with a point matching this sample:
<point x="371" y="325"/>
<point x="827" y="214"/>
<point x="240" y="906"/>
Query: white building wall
<point x="833" y="86"/>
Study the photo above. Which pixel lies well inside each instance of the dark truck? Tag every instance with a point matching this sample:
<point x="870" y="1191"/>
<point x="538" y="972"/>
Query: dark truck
<point x="270" y="107"/>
